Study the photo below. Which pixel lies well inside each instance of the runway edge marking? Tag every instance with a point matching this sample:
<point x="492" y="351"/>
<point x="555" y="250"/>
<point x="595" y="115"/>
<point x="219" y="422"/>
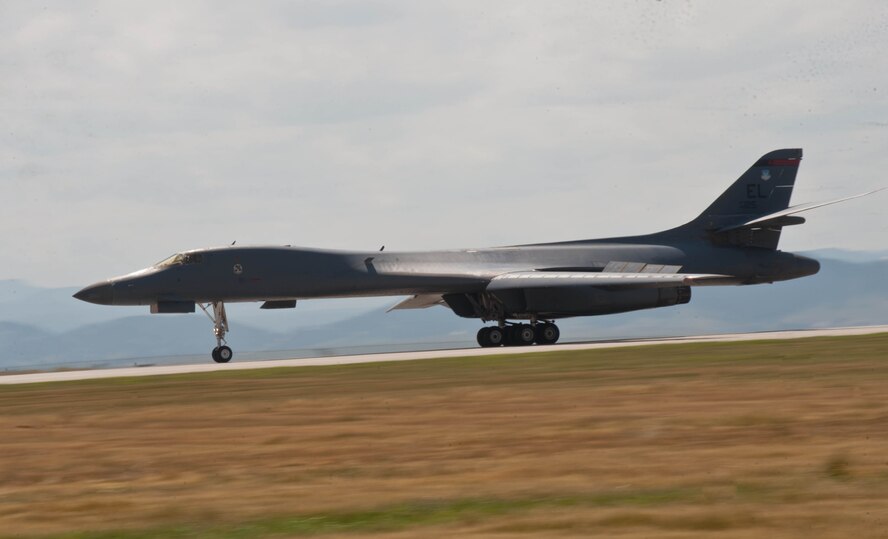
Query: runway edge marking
<point x="161" y="370"/>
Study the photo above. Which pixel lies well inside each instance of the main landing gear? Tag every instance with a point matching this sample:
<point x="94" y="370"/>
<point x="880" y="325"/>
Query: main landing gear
<point x="518" y="335"/>
<point x="221" y="353"/>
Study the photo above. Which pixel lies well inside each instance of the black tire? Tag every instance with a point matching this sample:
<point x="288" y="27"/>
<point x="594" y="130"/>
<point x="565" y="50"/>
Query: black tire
<point x="496" y="336"/>
<point x="509" y="336"/>
<point x="483" y="337"/>
<point x="547" y="333"/>
<point x="524" y="335"/>
<point x="215" y="354"/>
<point x="223" y="354"/>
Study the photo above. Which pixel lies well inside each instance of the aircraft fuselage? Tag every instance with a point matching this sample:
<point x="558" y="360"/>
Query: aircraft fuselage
<point x="276" y="273"/>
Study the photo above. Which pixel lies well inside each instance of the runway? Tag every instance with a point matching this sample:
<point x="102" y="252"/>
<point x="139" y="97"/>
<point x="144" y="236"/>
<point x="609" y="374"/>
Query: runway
<point x="159" y="370"/>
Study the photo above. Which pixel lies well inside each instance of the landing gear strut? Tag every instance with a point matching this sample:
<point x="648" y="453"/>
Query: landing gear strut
<point x="518" y="334"/>
<point x="221" y="353"/>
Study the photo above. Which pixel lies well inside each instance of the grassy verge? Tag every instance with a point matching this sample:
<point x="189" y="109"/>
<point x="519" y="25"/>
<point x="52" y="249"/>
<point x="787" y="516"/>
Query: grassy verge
<point x="751" y="439"/>
<point x="392" y="518"/>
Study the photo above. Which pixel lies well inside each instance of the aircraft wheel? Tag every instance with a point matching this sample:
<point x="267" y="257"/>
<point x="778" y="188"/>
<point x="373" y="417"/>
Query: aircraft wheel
<point x="523" y="335"/>
<point x="547" y="333"/>
<point x="222" y="354"/>
<point x="509" y="336"/>
<point x="484" y="337"/>
<point x="495" y="336"/>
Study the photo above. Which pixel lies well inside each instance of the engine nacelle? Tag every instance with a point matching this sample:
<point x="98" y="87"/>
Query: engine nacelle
<point x="561" y="302"/>
<point x="594" y="301"/>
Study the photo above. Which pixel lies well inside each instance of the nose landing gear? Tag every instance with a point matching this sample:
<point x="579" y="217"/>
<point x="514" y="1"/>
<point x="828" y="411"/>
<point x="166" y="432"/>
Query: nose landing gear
<point x="518" y="335"/>
<point x="221" y="353"/>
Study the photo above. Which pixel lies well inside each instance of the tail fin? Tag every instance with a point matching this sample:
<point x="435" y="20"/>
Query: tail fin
<point x="762" y="190"/>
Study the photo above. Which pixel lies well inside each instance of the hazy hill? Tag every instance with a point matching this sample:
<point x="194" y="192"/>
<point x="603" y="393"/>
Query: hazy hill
<point x="46" y="327"/>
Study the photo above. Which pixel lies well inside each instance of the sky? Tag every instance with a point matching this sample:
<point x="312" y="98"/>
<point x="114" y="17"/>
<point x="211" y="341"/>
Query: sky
<point x="132" y="130"/>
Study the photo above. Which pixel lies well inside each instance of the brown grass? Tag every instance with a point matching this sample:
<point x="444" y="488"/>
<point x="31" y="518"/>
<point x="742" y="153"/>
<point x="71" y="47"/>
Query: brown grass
<point x="776" y="439"/>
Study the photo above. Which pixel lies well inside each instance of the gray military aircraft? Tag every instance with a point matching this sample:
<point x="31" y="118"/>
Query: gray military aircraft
<point x="733" y="242"/>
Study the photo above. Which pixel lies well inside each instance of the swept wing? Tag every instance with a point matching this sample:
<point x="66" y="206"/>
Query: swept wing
<point x="546" y="279"/>
<point x="780" y="218"/>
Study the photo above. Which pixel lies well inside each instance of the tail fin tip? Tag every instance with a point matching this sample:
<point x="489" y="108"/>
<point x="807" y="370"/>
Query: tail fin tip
<point x="784" y="157"/>
<point x="764" y="188"/>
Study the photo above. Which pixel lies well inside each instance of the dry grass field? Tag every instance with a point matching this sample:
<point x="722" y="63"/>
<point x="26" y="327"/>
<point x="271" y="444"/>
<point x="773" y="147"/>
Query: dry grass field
<point x="763" y="439"/>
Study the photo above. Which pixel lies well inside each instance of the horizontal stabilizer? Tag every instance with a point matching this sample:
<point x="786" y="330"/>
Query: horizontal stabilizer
<point x="420" y="301"/>
<point x="547" y="279"/>
<point x="782" y="218"/>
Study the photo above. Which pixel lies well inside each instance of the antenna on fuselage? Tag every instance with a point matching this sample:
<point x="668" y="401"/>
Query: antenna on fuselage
<point x="232" y="243"/>
<point x="381" y="249"/>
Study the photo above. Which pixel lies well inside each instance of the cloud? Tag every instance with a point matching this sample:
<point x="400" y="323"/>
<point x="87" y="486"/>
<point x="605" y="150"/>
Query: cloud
<point x="134" y="130"/>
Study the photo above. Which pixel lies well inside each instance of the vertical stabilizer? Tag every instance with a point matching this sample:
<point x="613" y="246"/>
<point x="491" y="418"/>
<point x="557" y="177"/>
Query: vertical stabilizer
<point x="765" y="188"/>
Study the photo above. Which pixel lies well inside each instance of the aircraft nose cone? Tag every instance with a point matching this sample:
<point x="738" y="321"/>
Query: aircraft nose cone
<point x="99" y="293"/>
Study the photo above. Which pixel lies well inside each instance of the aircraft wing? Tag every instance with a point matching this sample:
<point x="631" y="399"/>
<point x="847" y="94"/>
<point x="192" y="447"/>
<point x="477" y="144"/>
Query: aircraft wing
<point x="781" y="218"/>
<point x="419" y="301"/>
<point x="557" y="279"/>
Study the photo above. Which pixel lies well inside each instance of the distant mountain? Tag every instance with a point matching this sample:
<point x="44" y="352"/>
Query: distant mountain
<point x="843" y="294"/>
<point x="21" y="342"/>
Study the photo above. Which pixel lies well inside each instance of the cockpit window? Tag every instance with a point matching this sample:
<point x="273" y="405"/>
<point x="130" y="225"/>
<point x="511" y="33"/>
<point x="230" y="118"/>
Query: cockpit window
<point x="180" y="259"/>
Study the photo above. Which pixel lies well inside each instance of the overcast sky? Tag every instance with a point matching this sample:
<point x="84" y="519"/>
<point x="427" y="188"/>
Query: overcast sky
<point x="134" y="130"/>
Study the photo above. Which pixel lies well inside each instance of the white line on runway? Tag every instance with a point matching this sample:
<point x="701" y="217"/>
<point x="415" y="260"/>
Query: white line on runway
<point x="429" y="354"/>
